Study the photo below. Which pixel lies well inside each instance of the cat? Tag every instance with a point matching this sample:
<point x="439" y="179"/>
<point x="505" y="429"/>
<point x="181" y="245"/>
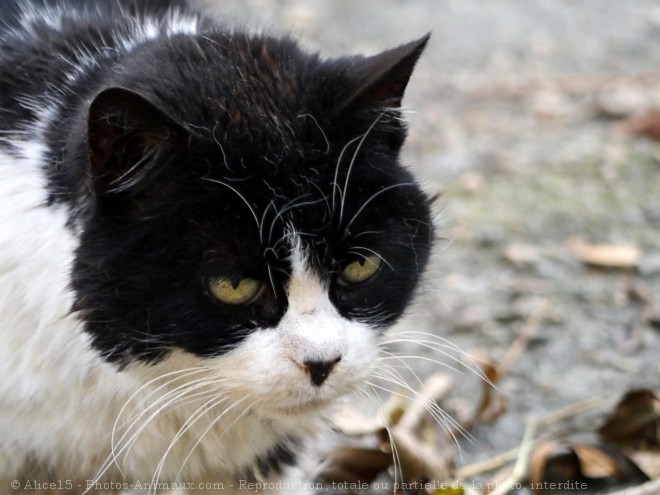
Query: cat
<point x="204" y="236"/>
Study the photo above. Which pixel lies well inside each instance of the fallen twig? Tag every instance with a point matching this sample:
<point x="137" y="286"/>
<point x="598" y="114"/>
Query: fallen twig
<point x="518" y="346"/>
<point x="520" y="468"/>
<point x="554" y="417"/>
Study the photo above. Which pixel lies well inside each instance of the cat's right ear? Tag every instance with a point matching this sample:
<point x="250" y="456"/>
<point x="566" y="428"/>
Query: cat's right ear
<point x="379" y="81"/>
<point x="129" y="141"/>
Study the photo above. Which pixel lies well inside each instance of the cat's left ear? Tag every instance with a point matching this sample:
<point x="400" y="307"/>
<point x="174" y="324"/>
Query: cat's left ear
<point x="381" y="80"/>
<point x="130" y="141"/>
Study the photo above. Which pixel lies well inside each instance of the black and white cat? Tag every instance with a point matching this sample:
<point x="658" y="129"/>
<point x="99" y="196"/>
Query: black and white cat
<point x="203" y="237"/>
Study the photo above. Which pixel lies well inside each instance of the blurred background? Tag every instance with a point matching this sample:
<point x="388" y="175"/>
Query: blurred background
<point x="538" y="121"/>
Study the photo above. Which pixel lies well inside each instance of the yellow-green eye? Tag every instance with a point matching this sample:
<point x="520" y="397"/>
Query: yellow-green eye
<point x="361" y="270"/>
<point x="243" y="292"/>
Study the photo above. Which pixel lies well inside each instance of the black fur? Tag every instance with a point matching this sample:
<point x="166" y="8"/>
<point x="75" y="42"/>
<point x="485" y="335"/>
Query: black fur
<point x="275" y="460"/>
<point x="192" y="156"/>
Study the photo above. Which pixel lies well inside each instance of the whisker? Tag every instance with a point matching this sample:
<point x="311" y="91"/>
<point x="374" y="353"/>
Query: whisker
<point x="449" y="424"/>
<point x="350" y="165"/>
<point x="189" y="423"/>
<point x="190" y="372"/>
<point x="288" y="206"/>
<point x="335" y="185"/>
<point x="214" y="422"/>
<point x="112" y="458"/>
<point x="440" y="342"/>
<point x="262" y="223"/>
<point x="420" y="358"/>
<point x="373" y="197"/>
<point x="380" y="257"/>
<point x="327" y="143"/>
<point x="396" y="459"/>
<point x="172" y="397"/>
<point x="238" y="193"/>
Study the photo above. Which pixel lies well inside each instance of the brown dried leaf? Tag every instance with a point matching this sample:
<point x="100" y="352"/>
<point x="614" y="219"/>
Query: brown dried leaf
<point x="552" y="460"/>
<point x="353" y="464"/>
<point x="557" y="461"/>
<point x="648" y="461"/>
<point x="408" y="438"/>
<point x="635" y="419"/>
<point x="606" y="255"/>
<point x="646" y="124"/>
<point x="595" y="463"/>
<point x="491" y="404"/>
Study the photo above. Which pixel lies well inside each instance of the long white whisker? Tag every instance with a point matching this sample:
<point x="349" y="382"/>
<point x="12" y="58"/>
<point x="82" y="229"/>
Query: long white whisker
<point x="396" y="459"/>
<point x="215" y="422"/>
<point x="168" y="399"/>
<point x="450" y="424"/>
<point x="112" y="458"/>
<point x="262" y="223"/>
<point x="390" y="355"/>
<point x="372" y="197"/>
<point x="437" y="346"/>
<point x="179" y="374"/>
<point x="350" y="165"/>
<point x="335" y="185"/>
<point x="238" y="193"/>
<point x="189" y="423"/>
<point x="281" y="212"/>
<point x="133" y="420"/>
<point x="378" y="255"/>
<point x="420" y="358"/>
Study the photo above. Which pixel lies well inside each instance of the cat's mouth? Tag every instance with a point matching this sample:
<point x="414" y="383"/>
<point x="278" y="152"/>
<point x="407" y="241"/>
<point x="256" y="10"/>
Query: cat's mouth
<point x="302" y="408"/>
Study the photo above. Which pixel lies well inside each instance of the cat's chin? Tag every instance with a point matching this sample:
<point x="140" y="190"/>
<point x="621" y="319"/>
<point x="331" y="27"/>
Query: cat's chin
<point x="313" y="407"/>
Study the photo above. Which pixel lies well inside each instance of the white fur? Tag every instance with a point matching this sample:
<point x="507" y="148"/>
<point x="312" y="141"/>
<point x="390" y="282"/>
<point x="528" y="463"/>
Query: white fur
<point x="141" y="30"/>
<point x="59" y="401"/>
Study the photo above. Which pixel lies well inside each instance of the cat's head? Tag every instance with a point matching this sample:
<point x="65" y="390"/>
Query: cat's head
<point x="245" y="210"/>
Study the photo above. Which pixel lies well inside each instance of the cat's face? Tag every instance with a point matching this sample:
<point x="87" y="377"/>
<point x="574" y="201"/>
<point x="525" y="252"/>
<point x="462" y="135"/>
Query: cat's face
<point x="249" y="215"/>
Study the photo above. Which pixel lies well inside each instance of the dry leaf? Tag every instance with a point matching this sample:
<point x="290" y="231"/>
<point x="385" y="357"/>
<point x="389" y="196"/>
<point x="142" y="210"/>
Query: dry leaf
<point x="552" y="460"/>
<point x="645" y="124"/>
<point x="556" y="461"/>
<point x="410" y="443"/>
<point x="491" y="404"/>
<point x="648" y="461"/>
<point x="635" y="420"/>
<point x="353" y="464"/>
<point x="606" y="255"/>
<point x="595" y="463"/>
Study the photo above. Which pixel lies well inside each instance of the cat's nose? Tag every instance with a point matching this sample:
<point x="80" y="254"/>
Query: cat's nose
<point x="320" y="370"/>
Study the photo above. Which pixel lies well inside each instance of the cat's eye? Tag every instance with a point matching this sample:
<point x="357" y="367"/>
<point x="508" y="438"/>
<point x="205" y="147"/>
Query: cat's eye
<point x="245" y="291"/>
<point x="361" y="270"/>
